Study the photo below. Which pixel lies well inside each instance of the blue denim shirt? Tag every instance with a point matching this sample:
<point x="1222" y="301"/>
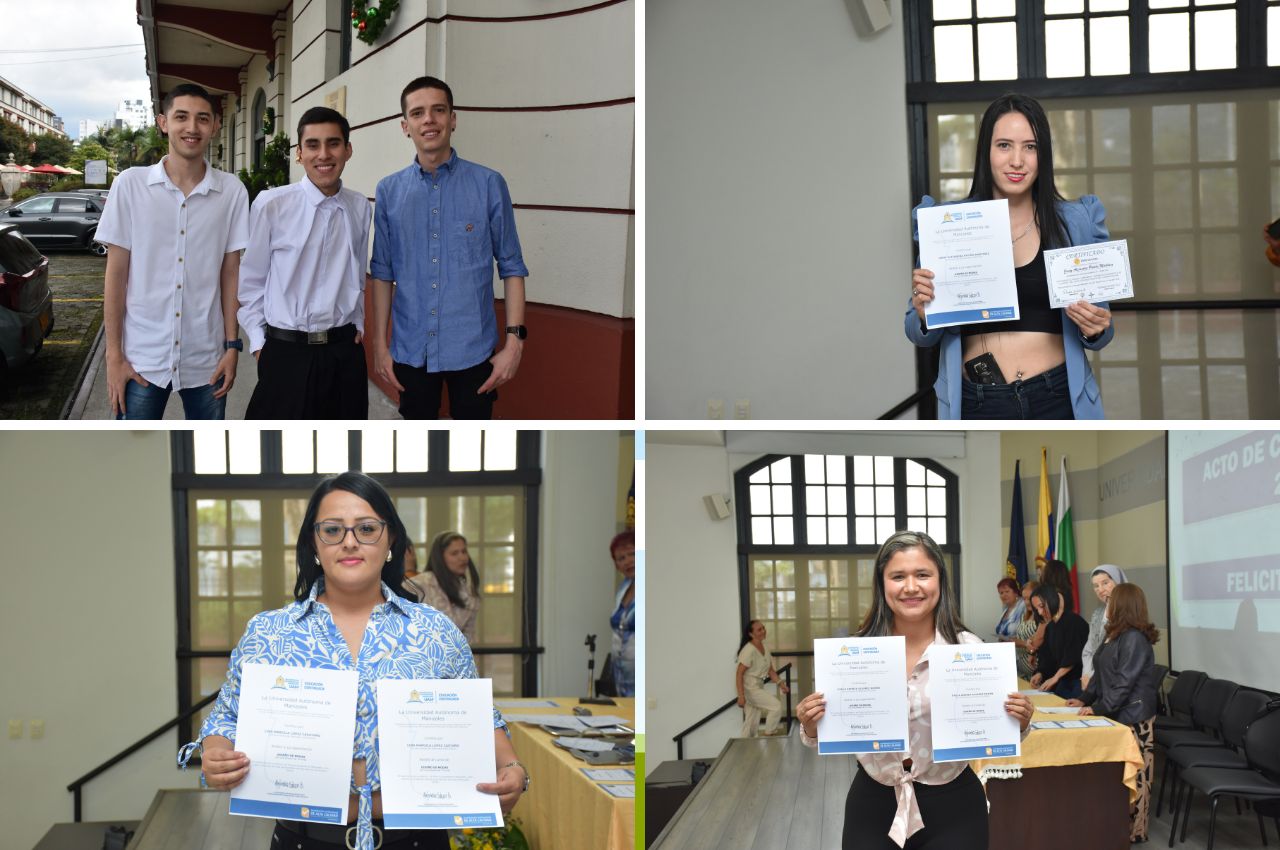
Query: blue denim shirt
<point x="437" y="237"/>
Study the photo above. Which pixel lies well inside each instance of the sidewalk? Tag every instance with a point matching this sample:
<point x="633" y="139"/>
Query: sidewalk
<point x="92" y="402"/>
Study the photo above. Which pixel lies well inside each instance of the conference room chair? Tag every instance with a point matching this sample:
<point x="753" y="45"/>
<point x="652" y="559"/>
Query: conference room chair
<point x="1245" y="707"/>
<point x="1181" y="694"/>
<point x="1207" y="709"/>
<point x="1259" y="782"/>
<point x="1162" y="672"/>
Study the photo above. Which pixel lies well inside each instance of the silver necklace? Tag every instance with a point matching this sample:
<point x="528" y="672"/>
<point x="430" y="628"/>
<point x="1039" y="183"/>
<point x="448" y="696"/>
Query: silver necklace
<point x="1025" y="231"/>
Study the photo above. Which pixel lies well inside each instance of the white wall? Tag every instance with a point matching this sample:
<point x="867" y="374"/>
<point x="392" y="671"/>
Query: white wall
<point x="778" y="242"/>
<point x="692" y="582"/>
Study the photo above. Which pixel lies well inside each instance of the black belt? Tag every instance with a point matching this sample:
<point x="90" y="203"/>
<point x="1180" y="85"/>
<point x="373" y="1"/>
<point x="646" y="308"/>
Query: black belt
<point x="346" y="333"/>
<point x="341" y="835"/>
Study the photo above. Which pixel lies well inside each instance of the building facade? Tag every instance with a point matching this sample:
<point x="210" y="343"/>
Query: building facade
<point x="28" y="113"/>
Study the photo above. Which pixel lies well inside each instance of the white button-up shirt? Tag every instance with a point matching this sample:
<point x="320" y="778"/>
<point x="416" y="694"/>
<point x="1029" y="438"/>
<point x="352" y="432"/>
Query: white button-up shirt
<point x="173" y="324"/>
<point x="305" y="265"/>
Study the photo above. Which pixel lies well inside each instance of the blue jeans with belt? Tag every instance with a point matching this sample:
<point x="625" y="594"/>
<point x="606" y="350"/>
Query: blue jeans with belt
<point x="1044" y="396"/>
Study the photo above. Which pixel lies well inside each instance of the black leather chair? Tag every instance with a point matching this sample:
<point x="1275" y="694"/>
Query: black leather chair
<point x="1207" y="709"/>
<point x="1162" y="672"/>
<point x="1259" y="782"/>
<point x="1180" y="696"/>
<point x="1228" y="752"/>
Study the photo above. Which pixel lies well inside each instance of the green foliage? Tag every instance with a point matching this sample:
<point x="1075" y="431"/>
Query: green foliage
<point x="13" y="140"/>
<point x="75" y="183"/>
<point x="509" y="838"/>
<point x="274" y="170"/>
<point x="55" y="150"/>
<point x="24" y="192"/>
<point x="90" y="151"/>
<point x="370" y="20"/>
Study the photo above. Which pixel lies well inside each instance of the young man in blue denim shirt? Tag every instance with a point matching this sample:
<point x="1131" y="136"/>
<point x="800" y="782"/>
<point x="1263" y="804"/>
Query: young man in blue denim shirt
<point x="439" y="226"/>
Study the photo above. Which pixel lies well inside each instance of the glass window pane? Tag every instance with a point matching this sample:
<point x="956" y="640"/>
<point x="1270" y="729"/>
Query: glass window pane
<point x="1072" y="185"/>
<point x="763" y="574"/>
<point x="864" y="500"/>
<point x="1179" y="335"/>
<point x="1063" y="7"/>
<point x="840" y="573"/>
<point x="333" y="450"/>
<point x="212" y="626"/>
<point x="241" y="612"/>
<point x="917" y="523"/>
<point x="1170" y="43"/>
<point x="885" y="527"/>
<point x="1218" y="190"/>
<point x="760" y="499"/>
<point x="464" y="450"/>
<point x="246" y="522"/>
<point x="781" y="471"/>
<point x="498" y="570"/>
<point x="1108" y="46"/>
<point x="950" y="9"/>
<point x="815" y="469"/>
<point x="376" y="450"/>
<point x="760" y="476"/>
<point x="785" y="635"/>
<point x="1124" y="345"/>
<point x="815" y="500"/>
<point x="1273" y="35"/>
<point x="915" y="472"/>
<point x="1064" y="48"/>
<point x="1228" y="394"/>
<point x="838" y="531"/>
<point x="246" y="451"/>
<point x="786" y="605"/>
<point x="211" y="522"/>
<point x="820" y="604"/>
<point x="956" y="136"/>
<point x="933" y="479"/>
<point x="953" y="54"/>
<point x="500" y="449"/>
<point x="1108" y="5"/>
<point x="1070" y="138"/>
<point x="1173" y="199"/>
<point x="954" y="188"/>
<point x="915" y="500"/>
<point x="783" y="532"/>
<point x="411" y="450"/>
<point x="818" y="574"/>
<point x="937" y="501"/>
<point x="297" y="451"/>
<point x="211" y="573"/>
<point x="782" y="500"/>
<point x="835" y="469"/>
<point x="996" y="8"/>
<point x="497" y="618"/>
<point x="1215" y="39"/>
<point x="1223" y="335"/>
<point x="884" y="501"/>
<point x="998" y="51"/>
<point x="1171" y="128"/>
<point x="817" y="530"/>
<point x="938" y="531"/>
<point x="413" y="513"/>
<point x="246" y="572"/>
<point x="210" y="449"/>
<point x="1117" y="189"/>
<point x="1216" y="132"/>
<point x="864" y="531"/>
<point x="1175" y="266"/>
<point x="761" y="530"/>
<point x="1120" y="391"/>
<point x="1220" y="264"/>
<point x="1110" y="137"/>
<point x="1181" y="386"/>
<point x="862" y="470"/>
<point x="836" y="501"/>
<point x="465" y="514"/>
<point x="786" y="572"/>
<point x="499" y="518"/>
<point x="884" y="470"/>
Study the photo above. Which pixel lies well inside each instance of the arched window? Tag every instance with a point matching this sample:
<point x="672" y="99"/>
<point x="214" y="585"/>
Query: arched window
<point x="259" y="134"/>
<point x="809" y="527"/>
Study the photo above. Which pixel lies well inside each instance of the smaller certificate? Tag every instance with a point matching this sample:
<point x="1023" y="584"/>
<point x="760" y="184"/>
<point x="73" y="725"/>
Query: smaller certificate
<point x="296" y="725"/>
<point x="968" y="686"/>
<point x="864" y="681"/>
<point x="435" y="743"/>
<point x="1093" y="273"/>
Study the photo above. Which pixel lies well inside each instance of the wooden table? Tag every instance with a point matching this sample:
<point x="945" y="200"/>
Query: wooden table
<point x="563" y="809"/>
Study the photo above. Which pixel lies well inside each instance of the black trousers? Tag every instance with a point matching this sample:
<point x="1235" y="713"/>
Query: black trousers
<point x="955" y="815"/>
<point x="300" y="381"/>
<point x="422" y="391"/>
<point x="293" y="836"/>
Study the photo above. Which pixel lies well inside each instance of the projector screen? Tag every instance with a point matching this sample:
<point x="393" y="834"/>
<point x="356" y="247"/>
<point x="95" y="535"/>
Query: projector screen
<point x="1224" y="555"/>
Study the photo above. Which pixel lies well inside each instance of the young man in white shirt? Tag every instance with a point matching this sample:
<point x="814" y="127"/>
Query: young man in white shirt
<point x="302" y="284"/>
<point x="173" y="232"/>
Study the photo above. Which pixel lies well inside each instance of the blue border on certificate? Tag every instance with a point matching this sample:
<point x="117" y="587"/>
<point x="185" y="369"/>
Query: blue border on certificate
<point x="966" y="753"/>
<point x="891" y="745"/>
<point x="439" y="821"/>
<point x="956" y="317"/>
<point x="286" y="811"/>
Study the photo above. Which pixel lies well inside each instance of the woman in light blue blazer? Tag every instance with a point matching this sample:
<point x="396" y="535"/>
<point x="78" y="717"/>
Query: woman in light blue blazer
<point x="1036" y="367"/>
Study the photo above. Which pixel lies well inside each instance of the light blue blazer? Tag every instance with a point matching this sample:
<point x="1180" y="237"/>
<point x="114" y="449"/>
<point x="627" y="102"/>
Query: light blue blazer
<point x="1085" y="222"/>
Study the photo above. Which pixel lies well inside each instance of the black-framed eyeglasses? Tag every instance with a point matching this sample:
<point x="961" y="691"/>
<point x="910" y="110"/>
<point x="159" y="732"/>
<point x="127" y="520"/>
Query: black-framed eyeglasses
<point x="367" y="531"/>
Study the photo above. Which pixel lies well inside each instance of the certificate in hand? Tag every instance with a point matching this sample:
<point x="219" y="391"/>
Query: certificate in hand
<point x="968" y="686"/>
<point x="969" y="249"/>
<point x="296" y="725"/>
<point x="864" y="681"/>
<point x="1093" y="273"/>
<point x="435" y="742"/>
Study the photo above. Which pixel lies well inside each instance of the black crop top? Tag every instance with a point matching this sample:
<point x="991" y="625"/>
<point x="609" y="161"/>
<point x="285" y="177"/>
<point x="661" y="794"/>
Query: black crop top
<point x="1033" y="304"/>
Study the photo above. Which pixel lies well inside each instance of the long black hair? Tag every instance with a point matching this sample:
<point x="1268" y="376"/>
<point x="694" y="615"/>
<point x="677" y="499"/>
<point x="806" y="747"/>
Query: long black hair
<point x="746" y="635"/>
<point x="357" y="484"/>
<point x="449" y="581"/>
<point x="946" y="616"/>
<point x="1052" y="598"/>
<point x="1055" y="574"/>
<point x="1044" y="192"/>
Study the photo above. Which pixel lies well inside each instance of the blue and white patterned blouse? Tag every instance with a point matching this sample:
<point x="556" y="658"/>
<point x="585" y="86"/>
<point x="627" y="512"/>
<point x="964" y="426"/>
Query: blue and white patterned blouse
<point x="404" y="640"/>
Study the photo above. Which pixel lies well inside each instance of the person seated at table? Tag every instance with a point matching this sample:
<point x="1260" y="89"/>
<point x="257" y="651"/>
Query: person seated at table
<point x="1104" y="579"/>
<point x="755" y="667"/>
<point x="1030" y="633"/>
<point x="1014" y="608"/>
<point x="1124" y="685"/>
<point x="1056" y="574"/>
<point x="1058" y="662"/>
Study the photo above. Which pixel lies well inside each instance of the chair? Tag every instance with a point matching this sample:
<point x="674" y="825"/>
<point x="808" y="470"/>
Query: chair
<point x="1207" y="709"/>
<point x="1180" y="696"/>
<point x="1258" y="783"/>
<point x="1243" y="709"/>
<point x="1162" y="673"/>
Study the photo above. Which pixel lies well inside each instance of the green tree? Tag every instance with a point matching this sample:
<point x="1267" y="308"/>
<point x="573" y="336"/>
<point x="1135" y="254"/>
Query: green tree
<point x="152" y="146"/>
<point x="88" y="151"/>
<point x="55" y="150"/>
<point x="13" y="140"/>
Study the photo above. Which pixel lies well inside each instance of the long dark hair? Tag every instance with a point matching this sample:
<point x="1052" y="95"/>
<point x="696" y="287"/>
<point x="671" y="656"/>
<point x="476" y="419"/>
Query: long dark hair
<point x="1128" y="610"/>
<point x="746" y="635"/>
<point x="1051" y="597"/>
<point x="1055" y="574"/>
<point x="946" y="616"/>
<point x="1044" y="192"/>
<point x="357" y="484"/>
<point x="450" y="582"/>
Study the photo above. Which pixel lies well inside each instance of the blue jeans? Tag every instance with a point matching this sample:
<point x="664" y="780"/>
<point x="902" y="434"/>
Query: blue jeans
<point x="1045" y="396"/>
<point x="149" y="402"/>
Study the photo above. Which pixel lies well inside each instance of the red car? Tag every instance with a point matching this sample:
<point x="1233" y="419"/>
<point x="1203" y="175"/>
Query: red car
<point x="26" y="303"/>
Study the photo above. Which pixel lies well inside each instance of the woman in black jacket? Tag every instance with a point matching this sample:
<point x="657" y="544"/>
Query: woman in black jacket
<point x="1124" y="685"/>
<point x="1058" y="660"/>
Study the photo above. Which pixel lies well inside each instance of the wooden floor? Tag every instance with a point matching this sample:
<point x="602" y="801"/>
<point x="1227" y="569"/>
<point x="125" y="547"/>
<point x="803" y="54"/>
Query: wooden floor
<point x="192" y="819"/>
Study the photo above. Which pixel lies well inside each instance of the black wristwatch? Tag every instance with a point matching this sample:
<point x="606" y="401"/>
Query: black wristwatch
<point x="521" y="332"/>
<point x="237" y="344"/>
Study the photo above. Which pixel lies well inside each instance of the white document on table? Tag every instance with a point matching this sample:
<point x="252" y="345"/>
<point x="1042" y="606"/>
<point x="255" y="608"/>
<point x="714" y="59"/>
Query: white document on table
<point x="968" y="686"/>
<point x="1058" y="709"/>
<point x="624" y="791"/>
<point x="969" y="249"/>
<point x="1093" y="273"/>
<point x="296" y="725"/>
<point x="435" y="743"/>
<point x="864" y="682"/>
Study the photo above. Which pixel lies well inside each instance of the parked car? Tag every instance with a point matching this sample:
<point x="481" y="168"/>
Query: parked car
<point x="26" y="303"/>
<point x="59" y="220"/>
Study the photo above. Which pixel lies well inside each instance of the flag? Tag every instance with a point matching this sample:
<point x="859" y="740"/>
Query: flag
<point x="1065" y="549"/>
<point x="1015" y="566"/>
<point x="1044" y="524"/>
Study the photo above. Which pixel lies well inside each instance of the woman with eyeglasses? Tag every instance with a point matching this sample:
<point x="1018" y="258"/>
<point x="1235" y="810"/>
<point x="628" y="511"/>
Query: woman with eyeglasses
<point x="451" y="583"/>
<point x="351" y="613"/>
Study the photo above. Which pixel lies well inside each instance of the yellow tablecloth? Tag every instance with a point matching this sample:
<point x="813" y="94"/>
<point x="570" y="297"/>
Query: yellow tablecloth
<point x="1057" y="747"/>
<point x="563" y="809"/>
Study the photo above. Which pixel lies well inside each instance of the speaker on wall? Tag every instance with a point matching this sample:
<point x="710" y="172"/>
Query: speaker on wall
<point x="717" y="505"/>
